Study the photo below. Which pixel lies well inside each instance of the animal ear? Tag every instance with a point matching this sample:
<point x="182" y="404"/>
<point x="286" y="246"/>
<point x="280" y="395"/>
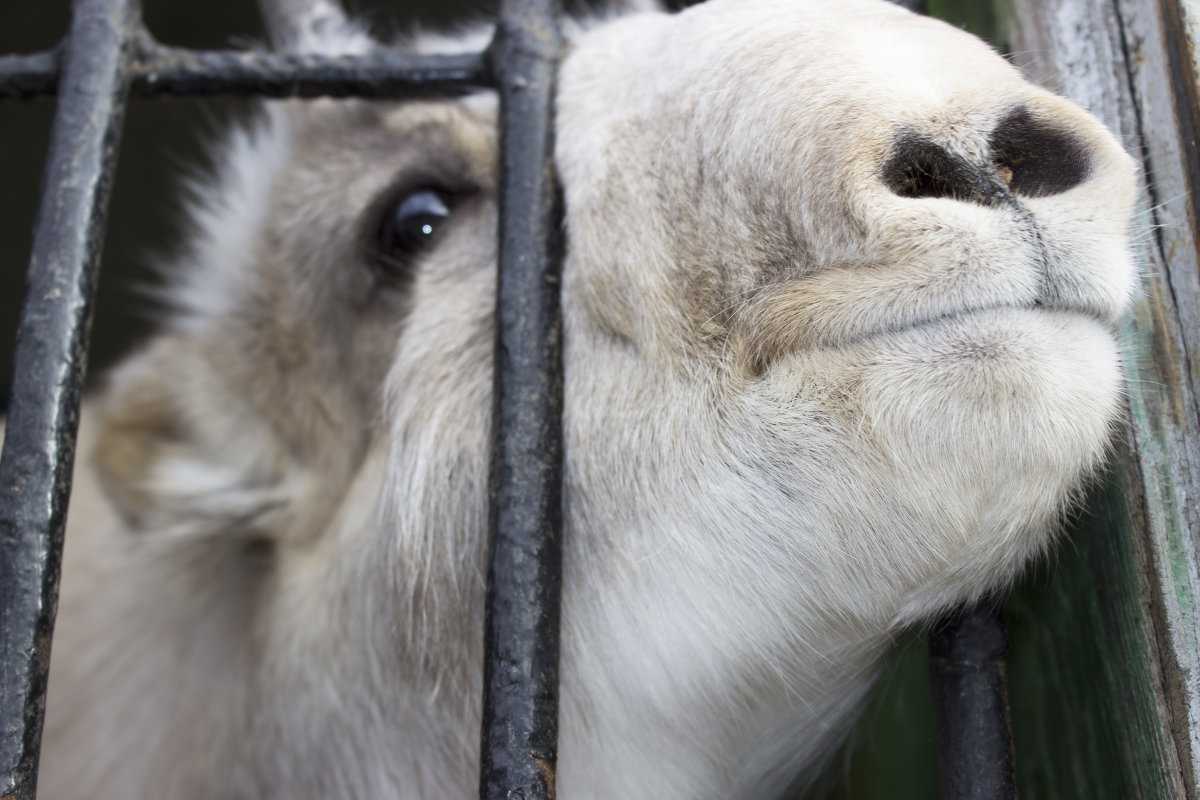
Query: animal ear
<point x="312" y="26"/>
<point x="176" y="455"/>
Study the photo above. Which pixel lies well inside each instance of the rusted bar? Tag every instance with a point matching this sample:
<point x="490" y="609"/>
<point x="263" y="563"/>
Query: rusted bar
<point x="158" y="70"/>
<point x="43" y="417"/>
<point x="520" y="713"/>
<point x="970" y="706"/>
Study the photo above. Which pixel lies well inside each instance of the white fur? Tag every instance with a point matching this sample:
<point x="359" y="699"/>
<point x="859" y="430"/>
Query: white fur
<point x="802" y="412"/>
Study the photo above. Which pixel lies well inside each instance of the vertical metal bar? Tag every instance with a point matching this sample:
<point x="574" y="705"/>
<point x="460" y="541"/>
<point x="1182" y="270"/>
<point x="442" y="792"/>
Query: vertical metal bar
<point x="520" y="713"/>
<point x="35" y="471"/>
<point x="970" y="707"/>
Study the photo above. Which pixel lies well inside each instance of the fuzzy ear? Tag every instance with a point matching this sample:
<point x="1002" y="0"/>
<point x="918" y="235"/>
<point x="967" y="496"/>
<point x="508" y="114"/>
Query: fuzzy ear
<point x="175" y="455"/>
<point x="312" y="26"/>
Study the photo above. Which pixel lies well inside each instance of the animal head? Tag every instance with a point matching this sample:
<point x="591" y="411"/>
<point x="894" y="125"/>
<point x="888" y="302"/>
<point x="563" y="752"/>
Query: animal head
<point x="838" y="296"/>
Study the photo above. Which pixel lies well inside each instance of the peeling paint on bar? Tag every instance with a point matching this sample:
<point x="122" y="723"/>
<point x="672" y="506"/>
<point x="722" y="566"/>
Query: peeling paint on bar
<point x="520" y="712"/>
<point x="35" y="471"/>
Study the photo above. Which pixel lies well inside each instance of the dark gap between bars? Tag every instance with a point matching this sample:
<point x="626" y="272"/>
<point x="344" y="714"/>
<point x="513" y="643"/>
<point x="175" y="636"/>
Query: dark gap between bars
<point x="107" y="55"/>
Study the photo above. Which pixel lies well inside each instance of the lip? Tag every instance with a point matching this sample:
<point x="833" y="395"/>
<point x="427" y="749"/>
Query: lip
<point x="982" y="315"/>
<point x="952" y="317"/>
<point x="843" y="308"/>
<point x="929" y="322"/>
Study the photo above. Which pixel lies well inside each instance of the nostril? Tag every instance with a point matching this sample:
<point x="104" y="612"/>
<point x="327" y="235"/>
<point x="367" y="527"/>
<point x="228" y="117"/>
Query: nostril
<point x="1042" y="158"/>
<point x="917" y="167"/>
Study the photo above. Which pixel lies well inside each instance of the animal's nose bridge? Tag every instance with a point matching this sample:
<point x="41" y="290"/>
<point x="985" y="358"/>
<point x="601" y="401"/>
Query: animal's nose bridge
<point x="1027" y="156"/>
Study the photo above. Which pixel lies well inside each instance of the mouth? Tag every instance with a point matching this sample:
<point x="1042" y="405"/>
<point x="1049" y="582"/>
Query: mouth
<point x="972" y="329"/>
<point x="953" y="280"/>
<point x="1000" y="334"/>
<point x="991" y="314"/>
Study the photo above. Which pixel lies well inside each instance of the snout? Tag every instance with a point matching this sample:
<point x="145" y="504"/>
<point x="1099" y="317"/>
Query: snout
<point x="1023" y="207"/>
<point x="1026" y="156"/>
<point x="913" y="176"/>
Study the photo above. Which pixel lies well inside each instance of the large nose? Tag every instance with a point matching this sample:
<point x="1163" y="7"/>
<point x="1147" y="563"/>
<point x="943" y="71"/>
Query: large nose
<point x="1026" y="157"/>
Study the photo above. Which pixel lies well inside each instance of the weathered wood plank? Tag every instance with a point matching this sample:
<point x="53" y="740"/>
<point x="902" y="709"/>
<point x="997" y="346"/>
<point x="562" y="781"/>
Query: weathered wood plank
<point x="1135" y="646"/>
<point x="1085" y="688"/>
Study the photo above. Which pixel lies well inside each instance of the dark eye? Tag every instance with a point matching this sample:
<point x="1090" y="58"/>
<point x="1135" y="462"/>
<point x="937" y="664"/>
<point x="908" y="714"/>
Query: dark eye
<point x="408" y="226"/>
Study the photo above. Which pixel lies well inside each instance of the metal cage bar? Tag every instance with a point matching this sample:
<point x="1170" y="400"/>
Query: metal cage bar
<point x="107" y="55"/>
<point x="50" y="359"/>
<point x="967" y="673"/>
<point x="520" y="707"/>
<point x="161" y="70"/>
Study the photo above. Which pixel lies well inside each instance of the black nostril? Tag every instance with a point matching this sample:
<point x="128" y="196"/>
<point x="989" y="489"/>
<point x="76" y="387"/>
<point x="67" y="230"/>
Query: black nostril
<point x="917" y="167"/>
<point x="1037" y="157"/>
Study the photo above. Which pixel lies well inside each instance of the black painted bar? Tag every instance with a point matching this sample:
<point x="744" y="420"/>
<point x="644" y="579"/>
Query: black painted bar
<point x="520" y="713"/>
<point x="158" y="70"/>
<point x="29" y="75"/>
<point x="379" y="75"/>
<point x="970" y="707"/>
<point x="39" y="451"/>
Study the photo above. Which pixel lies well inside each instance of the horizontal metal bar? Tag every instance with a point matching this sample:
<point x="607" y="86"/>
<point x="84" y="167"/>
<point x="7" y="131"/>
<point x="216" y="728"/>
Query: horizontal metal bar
<point x="159" y="70"/>
<point x="49" y="363"/>
<point x="520" y="712"/>
<point x="379" y="74"/>
<point x="30" y="75"/>
<point x="970" y="706"/>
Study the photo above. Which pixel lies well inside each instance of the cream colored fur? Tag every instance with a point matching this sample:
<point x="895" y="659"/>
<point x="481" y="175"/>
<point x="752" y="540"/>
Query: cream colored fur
<point x="802" y="412"/>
